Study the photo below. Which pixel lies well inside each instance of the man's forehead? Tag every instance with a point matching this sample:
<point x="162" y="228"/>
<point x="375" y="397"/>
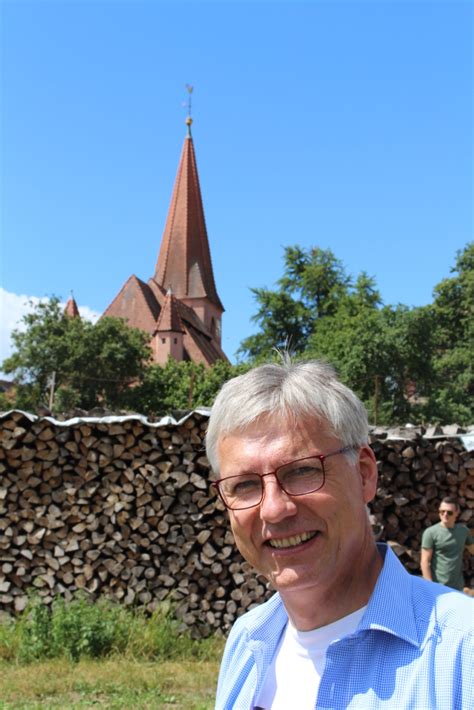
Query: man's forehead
<point x="272" y="425"/>
<point x="281" y="431"/>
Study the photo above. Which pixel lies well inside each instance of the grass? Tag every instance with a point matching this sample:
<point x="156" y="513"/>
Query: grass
<point x="82" y="629"/>
<point x="114" y="683"/>
<point x="83" y="654"/>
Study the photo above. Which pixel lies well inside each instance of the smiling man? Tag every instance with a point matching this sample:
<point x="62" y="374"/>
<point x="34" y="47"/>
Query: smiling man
<point x="348" y="626"/>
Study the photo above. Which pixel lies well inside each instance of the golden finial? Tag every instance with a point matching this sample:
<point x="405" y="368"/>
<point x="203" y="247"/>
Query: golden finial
<point x="189" y="120"/>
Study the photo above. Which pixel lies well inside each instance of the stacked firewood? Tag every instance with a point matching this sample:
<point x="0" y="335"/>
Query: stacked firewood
<point x="414" y="474"/>
<point x="122" y="507"/>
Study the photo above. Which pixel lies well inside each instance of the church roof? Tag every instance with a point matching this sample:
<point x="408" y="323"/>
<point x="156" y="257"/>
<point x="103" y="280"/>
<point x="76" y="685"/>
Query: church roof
<point x="201" y="348"/>
<point x="71" y="308"/>
<point x="184" y="261"/>
<point x="137" y="304"/>
<point x="169" y="319"/>
<point x="142" y="305"/>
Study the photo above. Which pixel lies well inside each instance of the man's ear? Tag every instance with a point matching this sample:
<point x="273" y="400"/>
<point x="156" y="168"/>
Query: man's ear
<point x="368" y="472"/>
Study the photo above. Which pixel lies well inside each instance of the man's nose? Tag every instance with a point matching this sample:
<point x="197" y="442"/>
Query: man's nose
<point x="276" y="505"/>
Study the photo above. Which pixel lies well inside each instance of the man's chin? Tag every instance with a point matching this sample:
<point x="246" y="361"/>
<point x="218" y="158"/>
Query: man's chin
<point x="291" y="580"/>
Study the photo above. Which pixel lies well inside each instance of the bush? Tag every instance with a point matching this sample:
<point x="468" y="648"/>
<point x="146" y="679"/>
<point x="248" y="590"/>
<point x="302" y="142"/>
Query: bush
<point x="161" y="636"/>
<point x="85" y="629"/>
<point x="73" y="630"/>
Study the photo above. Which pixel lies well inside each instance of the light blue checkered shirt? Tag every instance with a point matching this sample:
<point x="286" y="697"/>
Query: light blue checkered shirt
<point x="413" y="650"/>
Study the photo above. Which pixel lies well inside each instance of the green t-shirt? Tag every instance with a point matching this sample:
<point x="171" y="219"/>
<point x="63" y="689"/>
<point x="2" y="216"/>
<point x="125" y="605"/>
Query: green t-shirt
<point x="448" y="546"/>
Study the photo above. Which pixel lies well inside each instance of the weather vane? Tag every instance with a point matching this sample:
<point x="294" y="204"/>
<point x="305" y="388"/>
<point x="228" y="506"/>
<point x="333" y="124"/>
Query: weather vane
<point x="189" y="120"/>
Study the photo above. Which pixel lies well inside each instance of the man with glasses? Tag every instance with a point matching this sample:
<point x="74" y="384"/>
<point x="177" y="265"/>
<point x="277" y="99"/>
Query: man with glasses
<point x="348" y="626"/>
<point x="442" y="547"/>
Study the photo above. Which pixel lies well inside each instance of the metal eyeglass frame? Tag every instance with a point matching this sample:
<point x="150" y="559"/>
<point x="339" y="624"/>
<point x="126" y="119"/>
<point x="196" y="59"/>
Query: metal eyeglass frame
<point x="321" y="457"/>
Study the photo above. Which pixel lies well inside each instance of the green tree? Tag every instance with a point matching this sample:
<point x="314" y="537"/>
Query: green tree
<point x="91" y="364"/>
<point x="453" y="312"/>
<point x="312" y="285"/>
<point x="405" y="363"/>
<point x="107" y="360"/>
<point x="38" y="351"/>
<point x="378" y="351"/>
<point x="180" y="386"/>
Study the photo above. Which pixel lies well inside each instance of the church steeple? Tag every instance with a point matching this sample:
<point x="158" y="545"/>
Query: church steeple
<point x="167" y="341"/>
<point x="71" y="310"/>
<point x="169" y="320"/>
<point x="178" y="306"/>
<point x="184" y="261"/>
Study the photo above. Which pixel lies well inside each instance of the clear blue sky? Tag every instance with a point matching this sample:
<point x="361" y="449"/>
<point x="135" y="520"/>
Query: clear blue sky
<point x="346" y="125"/>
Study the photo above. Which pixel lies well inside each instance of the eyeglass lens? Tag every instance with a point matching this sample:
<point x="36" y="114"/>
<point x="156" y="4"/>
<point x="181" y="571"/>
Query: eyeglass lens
<point x="449" y="513"/>
<point x="296" y="478"/>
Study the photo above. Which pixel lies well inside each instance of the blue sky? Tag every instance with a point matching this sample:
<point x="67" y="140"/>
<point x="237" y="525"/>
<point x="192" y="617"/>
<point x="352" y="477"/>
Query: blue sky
<point x="346" y="125"/>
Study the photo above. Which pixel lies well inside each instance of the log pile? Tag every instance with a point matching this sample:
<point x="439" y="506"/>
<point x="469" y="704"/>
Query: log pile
<point x="415" y="472"/>
<point x="122" y="507"/>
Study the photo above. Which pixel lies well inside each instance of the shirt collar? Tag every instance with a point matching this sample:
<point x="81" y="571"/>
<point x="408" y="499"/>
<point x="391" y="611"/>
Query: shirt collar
<point x="390" y="606"/>
<point x="265" y="623"/>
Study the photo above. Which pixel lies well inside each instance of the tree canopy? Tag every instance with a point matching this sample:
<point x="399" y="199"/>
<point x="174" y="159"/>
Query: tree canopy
<point x="405" y="363"/>
<point x="312" y="284"/>
<point x="453" y="316"/>
<point x="105" y="365"/>
<point x="180" y="385"/>
<point x="85" y="364"/>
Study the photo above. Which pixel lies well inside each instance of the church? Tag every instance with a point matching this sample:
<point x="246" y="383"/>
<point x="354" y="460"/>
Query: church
<point x="179" y="305"/>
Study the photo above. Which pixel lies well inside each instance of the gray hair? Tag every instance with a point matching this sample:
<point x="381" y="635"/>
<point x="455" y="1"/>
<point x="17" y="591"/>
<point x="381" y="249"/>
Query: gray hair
<point x="306" y="389"/>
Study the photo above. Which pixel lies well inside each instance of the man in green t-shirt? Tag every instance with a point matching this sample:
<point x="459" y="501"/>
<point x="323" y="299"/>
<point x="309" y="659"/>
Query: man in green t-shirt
<point x="442" y="547"/>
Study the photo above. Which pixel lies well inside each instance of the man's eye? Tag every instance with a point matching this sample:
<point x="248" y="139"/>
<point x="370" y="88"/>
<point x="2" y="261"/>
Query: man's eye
<point x="246" y="485"/>
<point x="301" y="473"/>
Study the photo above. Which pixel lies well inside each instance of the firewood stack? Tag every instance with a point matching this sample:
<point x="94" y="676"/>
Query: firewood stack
<point x="122" y="507"/>
<point x="415" y="472"/>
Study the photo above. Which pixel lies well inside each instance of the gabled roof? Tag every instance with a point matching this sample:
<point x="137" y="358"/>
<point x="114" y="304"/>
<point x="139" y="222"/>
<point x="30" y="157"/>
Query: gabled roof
<point x="144" y="306"/>
<point x="184" y="262"/>
<point x="169" y="319"/>
<point x="137" y="304"/>
<point x="71" y="309"/>
<point x="201" y="348"/>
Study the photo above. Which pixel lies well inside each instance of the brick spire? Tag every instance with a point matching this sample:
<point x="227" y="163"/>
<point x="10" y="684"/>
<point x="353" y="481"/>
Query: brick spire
<point x="184" y="262"/>
<point x="71" y="310"/>
<point x="169" y="319"/>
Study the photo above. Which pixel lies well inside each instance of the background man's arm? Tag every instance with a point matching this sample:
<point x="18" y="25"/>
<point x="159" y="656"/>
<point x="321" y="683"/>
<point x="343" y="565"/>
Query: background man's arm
<point x="425" y="563"/>
<point x="470" y="541"/>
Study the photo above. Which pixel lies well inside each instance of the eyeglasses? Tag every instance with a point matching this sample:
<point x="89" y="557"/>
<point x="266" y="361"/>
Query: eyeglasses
<point x="295" y="478"/>
<point x="446" y="512"/>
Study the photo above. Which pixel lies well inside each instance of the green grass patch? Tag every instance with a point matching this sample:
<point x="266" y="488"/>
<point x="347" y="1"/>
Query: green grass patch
<point x="116" y="684"/>
<point x="82" y="629"/>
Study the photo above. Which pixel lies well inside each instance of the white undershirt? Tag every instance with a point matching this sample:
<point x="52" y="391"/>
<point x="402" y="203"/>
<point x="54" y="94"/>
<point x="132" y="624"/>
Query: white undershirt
<point x="294" y="675"/>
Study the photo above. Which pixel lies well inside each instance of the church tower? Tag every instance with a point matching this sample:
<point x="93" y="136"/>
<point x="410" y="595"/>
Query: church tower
<point x="184" y="262"/>
<point x="167" y="340"/>
<point x="178" y="306"/>
<point x="71" y="310"/>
